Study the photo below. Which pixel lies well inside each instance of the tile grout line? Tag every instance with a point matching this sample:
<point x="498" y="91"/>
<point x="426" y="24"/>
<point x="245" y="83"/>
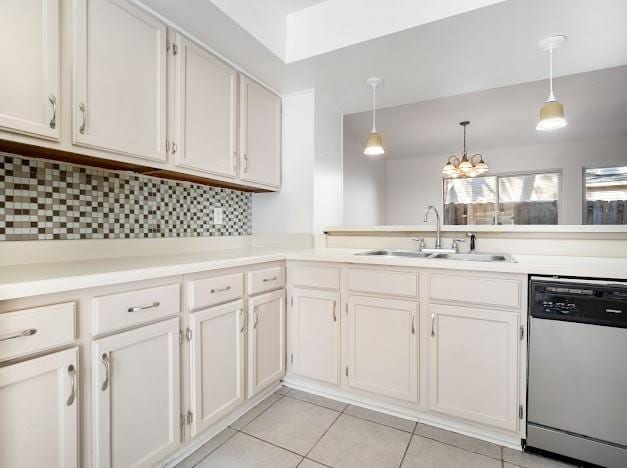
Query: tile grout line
<point x="324" y="433"/>
<point x="457" y="446"/>
<point x="234" y="429"/>
<point x="411" y="436"/>
<point x="412" y="432"/>
<point x="353" y="415"/>
<point x="271" y="443"/>
<point x="220" y="445"/>
<point x="270" y="406"/>
<point x="316" y="404"/>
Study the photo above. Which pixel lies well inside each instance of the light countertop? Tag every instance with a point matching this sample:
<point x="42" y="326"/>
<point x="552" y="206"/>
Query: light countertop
<point x="44" y="278"/>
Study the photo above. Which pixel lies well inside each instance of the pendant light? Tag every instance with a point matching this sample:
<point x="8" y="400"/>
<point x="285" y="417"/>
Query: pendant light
<point x="374" y="144"/>
<point x="552" y="112"/>
<point x="464" y="167"/>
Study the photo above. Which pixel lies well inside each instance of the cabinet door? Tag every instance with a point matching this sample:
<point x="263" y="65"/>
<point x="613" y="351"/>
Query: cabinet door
<point x="119" y="79"/>
<point x="136" y="395"/>
<point x="314" y="334"/>
<point x="260" y="134"/>
<point x="39" y="405"/>
<point x="206" y="111"/>
<point x="217" y="363"/>
<point x="383" y="347"/>
<point x="266" y="340"/>
<point x="29" y="82"/>
<point x="474" y="364"/>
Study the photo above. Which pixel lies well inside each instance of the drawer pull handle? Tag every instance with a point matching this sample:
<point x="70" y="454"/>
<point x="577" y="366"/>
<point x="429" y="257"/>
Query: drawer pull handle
<point x="413" y="323"/>
<point x="432" y="324"/>
<point x="334" y="307"/>
<point x="105" y="360"/>
<point x="154" y="305"/>
<point x="241" y="313"/>
<point x="27" y="332"/>
<point x="83" y="110"/>
<point x="72" y="374"/>
<point x="256" y="317"/>
<point x="53" y="100"/>
<point x="267" y="280"/>
<point x="217" y="290"/>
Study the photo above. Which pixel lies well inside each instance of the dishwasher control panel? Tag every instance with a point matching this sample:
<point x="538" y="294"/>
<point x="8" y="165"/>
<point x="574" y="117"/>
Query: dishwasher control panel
<point x="593" y="302"/>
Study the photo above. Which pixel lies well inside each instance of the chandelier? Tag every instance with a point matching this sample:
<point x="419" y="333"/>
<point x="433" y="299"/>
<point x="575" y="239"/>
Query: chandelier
<point x="464" y="167"/>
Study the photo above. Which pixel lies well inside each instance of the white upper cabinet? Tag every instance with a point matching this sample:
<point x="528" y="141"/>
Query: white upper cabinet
<point x="260" y="134"/>
<point x="39" y="406"/>
<point x="266" y="340"/>
<point x="29" y="60"/>
<point x="119" y="79"/>
<point x="217" y="363"/>
<point x="314" y="344"/>
<point x="206" y="111"/>
<point x="136" y="396"/>
<point x="473" y="364"/>
<point x="383" y="347"/>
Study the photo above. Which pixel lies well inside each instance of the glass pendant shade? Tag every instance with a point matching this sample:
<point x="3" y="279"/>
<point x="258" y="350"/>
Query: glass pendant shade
<point x="551" y="116"/>
<point x="449" y="170"/>
<point x="374" y="145"/>
<point x="481" y="167"/>
<point x="465" y="165"/>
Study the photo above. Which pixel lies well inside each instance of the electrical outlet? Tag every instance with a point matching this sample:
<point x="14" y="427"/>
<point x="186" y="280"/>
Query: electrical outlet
<point x="217" y="215"/>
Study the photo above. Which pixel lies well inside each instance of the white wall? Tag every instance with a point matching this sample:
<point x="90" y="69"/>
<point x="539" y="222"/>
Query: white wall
<point x="291" y="209"/>
<point x="327" y="198"/>
<point x="364" y="186"/>
<point x="311" y="194"/>
<point x="415" y="183"/>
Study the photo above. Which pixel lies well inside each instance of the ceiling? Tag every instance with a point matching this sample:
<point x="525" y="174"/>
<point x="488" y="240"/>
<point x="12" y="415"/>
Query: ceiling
<point x="290" y="6"/>
<point x="595" y="105"/>
<point x="486" y="48"/>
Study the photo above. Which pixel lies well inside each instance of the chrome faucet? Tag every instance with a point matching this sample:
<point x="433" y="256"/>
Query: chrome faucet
<point x="437" y="220"/>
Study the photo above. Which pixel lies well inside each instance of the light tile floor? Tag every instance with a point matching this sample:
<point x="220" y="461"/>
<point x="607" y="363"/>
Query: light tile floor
<point x="292" y="428"/>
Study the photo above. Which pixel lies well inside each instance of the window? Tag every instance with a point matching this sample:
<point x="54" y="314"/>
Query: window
<point x="605" y="197"/>
<point x="503" y="199"/>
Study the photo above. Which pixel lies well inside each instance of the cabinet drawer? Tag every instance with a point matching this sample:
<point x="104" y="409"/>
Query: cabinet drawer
<point x="314" y="276"/>
<point x="266" y="279"/>
<point x="30" y="330"/>
<point x="387" y="282"/>
<point x="217" y="290"/>
<point x="117" y="311"/>
<point x="473" y="290"/>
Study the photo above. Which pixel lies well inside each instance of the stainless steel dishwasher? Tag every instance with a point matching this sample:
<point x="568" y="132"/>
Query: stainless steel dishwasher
<point x="577" y="382"/>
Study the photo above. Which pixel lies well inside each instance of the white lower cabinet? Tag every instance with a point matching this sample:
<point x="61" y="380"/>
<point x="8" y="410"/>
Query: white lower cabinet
<point x="136" y="396"/>
<point x="39" y="408"/>
<point x="217" y="363"/>
<point x="383" y="347"/>
<point x="314" y="331"/>
<point x="266" y="340"/>
<point x="473" y="364"/>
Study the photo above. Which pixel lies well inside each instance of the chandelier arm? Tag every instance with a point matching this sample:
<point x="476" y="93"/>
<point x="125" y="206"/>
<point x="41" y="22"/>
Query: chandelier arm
<point x="455" y="160"/>
<point x="472" y="158"/>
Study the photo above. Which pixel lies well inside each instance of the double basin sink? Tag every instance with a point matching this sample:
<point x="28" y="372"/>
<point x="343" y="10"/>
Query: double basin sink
<point x="469" y="257"/>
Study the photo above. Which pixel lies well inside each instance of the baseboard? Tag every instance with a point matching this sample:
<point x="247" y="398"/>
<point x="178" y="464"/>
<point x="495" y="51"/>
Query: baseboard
<point x="512" y="441"/>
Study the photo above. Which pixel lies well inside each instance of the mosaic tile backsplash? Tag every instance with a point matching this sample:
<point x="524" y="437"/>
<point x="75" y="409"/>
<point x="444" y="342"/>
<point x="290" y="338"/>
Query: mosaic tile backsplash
<point x="48" y="200"/>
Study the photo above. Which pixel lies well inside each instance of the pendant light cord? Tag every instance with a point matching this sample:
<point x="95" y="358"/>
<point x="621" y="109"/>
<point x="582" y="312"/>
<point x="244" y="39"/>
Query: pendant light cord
<point x="551" y="95"/>
<point x="374" y="101"/>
